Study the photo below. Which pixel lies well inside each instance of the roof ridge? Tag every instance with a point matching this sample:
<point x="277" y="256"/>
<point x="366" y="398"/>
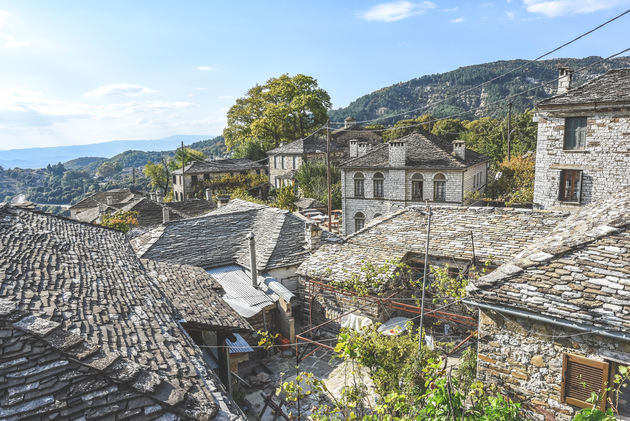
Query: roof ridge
<point x="117" y="368"/>
<point x="376" y="222"/>
<point x="582" y="86"/>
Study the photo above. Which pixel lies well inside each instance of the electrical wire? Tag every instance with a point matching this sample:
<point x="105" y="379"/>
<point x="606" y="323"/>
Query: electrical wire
<point x="502" y="75"/>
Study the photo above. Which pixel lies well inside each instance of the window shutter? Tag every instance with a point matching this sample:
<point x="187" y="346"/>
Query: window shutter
<point x="580" y="378"/>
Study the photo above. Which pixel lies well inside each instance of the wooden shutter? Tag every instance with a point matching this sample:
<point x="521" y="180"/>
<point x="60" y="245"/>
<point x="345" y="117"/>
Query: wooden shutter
<point x="580" y="378"/>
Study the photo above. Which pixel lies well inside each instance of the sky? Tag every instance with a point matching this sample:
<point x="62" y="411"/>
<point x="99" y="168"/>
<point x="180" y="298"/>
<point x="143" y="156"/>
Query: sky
<point x="76" y="72"/>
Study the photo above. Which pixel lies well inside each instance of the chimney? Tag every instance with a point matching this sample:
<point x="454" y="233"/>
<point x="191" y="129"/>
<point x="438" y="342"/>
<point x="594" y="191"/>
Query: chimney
<point x="166" y="215"/>
<point x="109" y="200"/>
<point x="209" y="195"/>
<point x="565" y="77"/>
<point x="397" y="154"/>
<point x="223" y="200"/>
<point x="252" y="259"/>
<point x="363" y="148"/>
<point x="313" y="236"/>
<point x="459" y="149"/>
<point x="158" y="196"/>
<point x="349" y="122"/>
<point x="354" y="148"/>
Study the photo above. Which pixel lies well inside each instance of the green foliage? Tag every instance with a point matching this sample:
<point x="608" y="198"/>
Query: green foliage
<point x="189" y="155"/>
<point x="444" y="287"/>
<point x="620" y="382"/>
<point x="210" y="147"/>
<point x="266" y="339"/>
<point x="449" y="128"/>
<point x="108" y="169"/>
<point x="241" y="193"/>
<point x="250" y="149"/>
<point x="286" y="198"/>
<point x="404" y="127"/>
<point x="120" y="220"/>
<point x="283" y="109"/>
<point x="374" y="279"/>
<point x="313" y="181"/>
<point x="514" y="186"/>
<point x="158" y="174"/>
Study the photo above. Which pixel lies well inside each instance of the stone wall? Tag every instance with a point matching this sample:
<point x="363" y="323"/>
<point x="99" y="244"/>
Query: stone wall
<point x="605" y="161"/>
<point x="524" y="359"/>
<point x="278" y="169"/>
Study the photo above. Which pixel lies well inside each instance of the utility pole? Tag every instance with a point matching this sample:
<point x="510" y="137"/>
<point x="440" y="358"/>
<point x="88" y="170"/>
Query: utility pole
<point x="133" y="176"/>
<point x="183" y="175"/>
<point x="328" y="174"/>
<point x="424" y="278"/>
<point x="509" y="137"/>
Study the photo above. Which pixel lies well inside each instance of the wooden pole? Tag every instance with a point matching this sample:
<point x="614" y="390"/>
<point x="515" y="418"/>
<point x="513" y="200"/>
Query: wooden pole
<point x="424" y="279"/>
<point x="183" y="175"/>
<point x="328" y="175"/>
<point x="509" y="136"/>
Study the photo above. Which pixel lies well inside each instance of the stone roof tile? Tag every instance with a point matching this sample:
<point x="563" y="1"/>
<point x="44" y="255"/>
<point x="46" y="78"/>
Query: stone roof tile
<point x="611" y="87"/>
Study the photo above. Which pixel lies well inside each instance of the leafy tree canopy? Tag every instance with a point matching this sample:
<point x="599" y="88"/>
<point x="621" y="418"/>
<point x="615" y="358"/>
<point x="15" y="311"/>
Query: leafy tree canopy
<point x="313" y="181"/>
<point x="108" y="169"/>
<point x="283" y="109"/>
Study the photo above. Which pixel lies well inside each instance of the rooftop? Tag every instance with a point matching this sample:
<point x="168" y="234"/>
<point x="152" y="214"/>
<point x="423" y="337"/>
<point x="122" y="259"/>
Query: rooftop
<point x="85" y="280"/>
<point x="316" y="143"/>
<point x="498" y="234"/>
<point x="219" y="238"/>
<point x="119" y="197"/>
<point x="221" y="165"/>
<point x="611" y="87"/>
<point x="424" y="150"/>
<point x="579" y="272"/>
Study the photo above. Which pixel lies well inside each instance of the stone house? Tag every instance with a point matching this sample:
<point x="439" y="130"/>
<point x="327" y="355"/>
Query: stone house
<point x="460" y="237"/>
<point x="198" y="171"/>
<point x="286" y="159"/>
<point x="555" y="321"/>
<point x="222" y="242"/>
<point x="111" y="200"/>
<point x="87" y="332"/>
<point x="413" y="169"/>
<point x="583" y="150"/>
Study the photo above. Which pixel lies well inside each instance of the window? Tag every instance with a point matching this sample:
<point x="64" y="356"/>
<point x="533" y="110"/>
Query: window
<point x="174" y="179"/>
<point x="377" y="215"/>
<point x="570" y="185"/>
<point x="439" y="188"/>
<point x="359" y="221"/>
<point x="206" y="176"/>
<point x="378" y="184"/>
<point x="275" y="161"/>
<point x="580" y="378"/>
<point x="282" y="161"/>
<point x="574" y="133"/>
<point x="358" y="185"/>
<point x="416" y="187"/>
<point x="621" y="401"/>
<point x="295" y="162"/>
<point x="193" y="179"/>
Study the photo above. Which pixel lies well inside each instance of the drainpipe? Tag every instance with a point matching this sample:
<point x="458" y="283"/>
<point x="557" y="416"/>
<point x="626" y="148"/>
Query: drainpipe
<point x="252" y="259"/>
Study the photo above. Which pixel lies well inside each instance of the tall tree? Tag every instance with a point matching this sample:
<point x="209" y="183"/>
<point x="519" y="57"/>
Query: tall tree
<point x="158" y="174"/>
<point x="189" y="154"/>
<point x="283" y="109"/>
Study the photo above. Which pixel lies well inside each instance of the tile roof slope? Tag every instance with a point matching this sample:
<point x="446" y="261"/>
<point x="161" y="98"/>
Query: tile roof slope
<point x="424" y="150"/>
<point x="218" y="238"/>
<point x="124" y="195"/>
<point x="150" y="211"/>
<point x="579" y="272"/>
<point x="221" y="165"/>
<point x="498" y="233"/>
<point x="196" y="295"/>
<point x="317" y="143"/>
<point x="612" y="86"/>
<point x="88" y="279"/>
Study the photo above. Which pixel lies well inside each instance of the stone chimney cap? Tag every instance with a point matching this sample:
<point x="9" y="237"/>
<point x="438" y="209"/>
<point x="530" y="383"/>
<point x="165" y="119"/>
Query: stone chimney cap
<point x="251" y="235"/>
<point x="350" y="119"/>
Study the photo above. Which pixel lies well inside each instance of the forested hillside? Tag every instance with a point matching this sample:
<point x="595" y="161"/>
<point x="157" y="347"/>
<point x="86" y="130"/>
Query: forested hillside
<point x="430" y="91"/>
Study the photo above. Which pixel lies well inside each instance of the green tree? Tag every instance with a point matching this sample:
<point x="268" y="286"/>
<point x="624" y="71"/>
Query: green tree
<point x="404" y="127"/>
<point x="108" y="169"/>
<point x="449" y="128"/>
<point x="120" y="220"/>
<point x="312" y="179"/>
<point x="189" y="156"/>
<point x="250" y="149"/>
<point x="158" y="174"/>
<point x="286" y="198"/>
<point x="283" y="109"/>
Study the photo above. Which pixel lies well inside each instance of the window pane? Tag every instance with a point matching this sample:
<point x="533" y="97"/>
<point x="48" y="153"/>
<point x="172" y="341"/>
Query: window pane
<point x="575" y="133"/>
<point x="378" y="188"/>
<point x="439" y="191"/>
<point x="358" y="188"/>
<point x="416" y="190"/>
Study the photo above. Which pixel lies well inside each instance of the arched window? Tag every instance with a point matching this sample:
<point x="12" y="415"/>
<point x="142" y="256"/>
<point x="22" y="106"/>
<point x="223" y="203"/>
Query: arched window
<point x="417" y="187"/>
<point x="377" y="215"/>
<point x="439" y="188"/>
<point x="378" y="184"/>
<point x="359" y="221"/>
<point x="359" y="190"/>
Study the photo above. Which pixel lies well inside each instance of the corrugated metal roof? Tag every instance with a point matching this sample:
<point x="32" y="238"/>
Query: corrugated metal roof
<point x="278" y="288"/>
<point x="240" y="345"/>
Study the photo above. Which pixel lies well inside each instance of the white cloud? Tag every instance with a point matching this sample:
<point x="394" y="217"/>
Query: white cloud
<point x="391" y="12"/>
<point x="457" y="20"/>
<point x="205" y="68"/>
<point x="127" y="89"/>
<point x="555" y="8"/>
<point x="511" y="15"/>
<point x="4" y="17"/>
<point x="11" y="42"/>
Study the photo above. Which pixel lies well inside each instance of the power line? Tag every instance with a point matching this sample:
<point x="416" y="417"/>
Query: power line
<point x="502" y="75"/>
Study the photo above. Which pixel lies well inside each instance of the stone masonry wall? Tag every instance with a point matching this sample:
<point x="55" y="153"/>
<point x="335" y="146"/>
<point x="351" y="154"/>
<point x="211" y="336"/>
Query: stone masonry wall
<point x="605" y="161"/>
<point x="524" y="359"/>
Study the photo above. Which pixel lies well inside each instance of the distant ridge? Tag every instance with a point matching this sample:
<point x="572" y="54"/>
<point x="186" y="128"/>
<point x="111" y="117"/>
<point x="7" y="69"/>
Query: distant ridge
<point x="429" y="89"/>
<point x="40" y="157"/>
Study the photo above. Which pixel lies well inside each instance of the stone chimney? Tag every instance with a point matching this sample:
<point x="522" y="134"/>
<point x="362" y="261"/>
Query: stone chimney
<point x="349" y="122"/>
<point x="252" y="259"/>
<point x="166" y="215"/>
<point x="312" y="235"/>
<point x="565" y="77"/>
<point x="223" y="200"/>
<point x="109" y="200"/>
<point x="397" y="154"/>
<point x="354" y="148"/>
<point x="363" y="148"/>
<point x="209" y="195"/>
<point x="158" y="196"/>
<point x="459" y="149"/>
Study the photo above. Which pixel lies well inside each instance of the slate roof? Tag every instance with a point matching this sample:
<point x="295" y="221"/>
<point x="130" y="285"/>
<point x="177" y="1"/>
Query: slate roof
<point x="611" y="87"/>
<point x="87" y="279"/>
<point x="221" y="165"/>
<point x="424" y="151"/>
<point x="498" y="233"/>
<point x="580" y="272"/>
<point x="307" y="202"/>
<point x="150" y="211"/>
<point x="197" y="297"/>
<point x="316" y="143"/>
<point x="219" y="238"/>
<point x="119" y="197"/>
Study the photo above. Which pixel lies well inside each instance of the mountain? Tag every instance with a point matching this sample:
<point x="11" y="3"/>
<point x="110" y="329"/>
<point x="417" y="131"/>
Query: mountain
<point x="426" y="91"/>
<point x="40" y="157"/>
